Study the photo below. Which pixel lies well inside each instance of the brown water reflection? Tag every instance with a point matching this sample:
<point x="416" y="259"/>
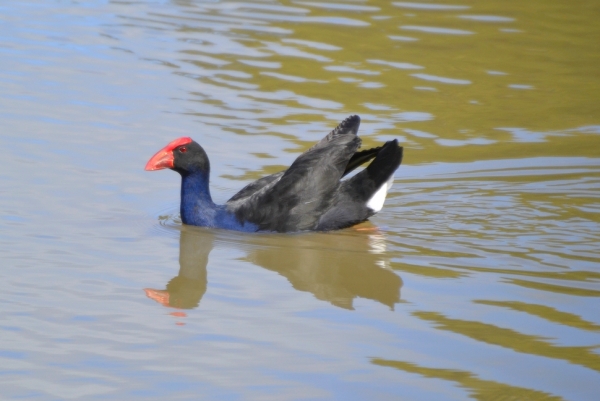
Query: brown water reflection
<point x="185" y="290"/>
<point x="514" y="340"/>
<point x="545" y="312"/>
<point x="478" y="388"/>
<point x="334" y="267"/>
<point x="493" y="86"/>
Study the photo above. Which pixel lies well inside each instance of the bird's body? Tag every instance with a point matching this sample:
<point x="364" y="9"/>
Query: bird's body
<point x="309" y="196"/>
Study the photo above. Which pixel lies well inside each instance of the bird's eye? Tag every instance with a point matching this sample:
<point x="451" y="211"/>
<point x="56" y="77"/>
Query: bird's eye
<point x="182" y="149"/>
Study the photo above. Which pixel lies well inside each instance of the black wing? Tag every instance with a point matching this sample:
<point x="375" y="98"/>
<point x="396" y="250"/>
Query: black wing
<point x="295" y="200"/>
<point x="263" y="183"/>
<point x="348" y="126"/>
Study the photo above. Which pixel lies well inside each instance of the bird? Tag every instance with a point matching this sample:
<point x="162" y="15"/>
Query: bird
<point x="310" y="195"/>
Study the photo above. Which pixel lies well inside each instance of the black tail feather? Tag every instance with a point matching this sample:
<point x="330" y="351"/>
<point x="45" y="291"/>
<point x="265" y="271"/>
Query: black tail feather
<point x="364" y="184"/>
<point x="387" y="161"/>
<point x="360" y="158"/>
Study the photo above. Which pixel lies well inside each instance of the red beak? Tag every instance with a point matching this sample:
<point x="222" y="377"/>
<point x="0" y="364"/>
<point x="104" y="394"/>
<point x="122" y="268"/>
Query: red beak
<point x="164" y="158"/>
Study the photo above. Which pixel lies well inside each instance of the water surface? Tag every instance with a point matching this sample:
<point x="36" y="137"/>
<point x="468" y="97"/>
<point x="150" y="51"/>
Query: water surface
<point x="479" y="279"/>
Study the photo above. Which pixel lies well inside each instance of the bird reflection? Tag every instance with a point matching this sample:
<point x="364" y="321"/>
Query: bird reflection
<point x="185" y="290"/>
<point x="335" y="267"/>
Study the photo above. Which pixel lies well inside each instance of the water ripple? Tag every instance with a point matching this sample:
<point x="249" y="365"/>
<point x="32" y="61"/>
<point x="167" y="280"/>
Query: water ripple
<point x="437" y="30"/>
<point x="429" y="6"/>
<point x="402" y="66"/>
<point x="428" y="77"/>
<point x="338" y="6"/>
<point x="487" y="18"/>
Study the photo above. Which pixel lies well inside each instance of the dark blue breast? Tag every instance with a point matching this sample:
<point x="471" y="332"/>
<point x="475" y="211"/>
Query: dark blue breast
<point x="198" y="209"/>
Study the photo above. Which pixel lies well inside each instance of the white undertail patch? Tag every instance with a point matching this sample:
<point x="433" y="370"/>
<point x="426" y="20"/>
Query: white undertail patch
<point x="376" y="201"/>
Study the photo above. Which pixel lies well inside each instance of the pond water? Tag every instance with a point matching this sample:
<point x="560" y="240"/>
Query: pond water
<point x="479" y="279"/>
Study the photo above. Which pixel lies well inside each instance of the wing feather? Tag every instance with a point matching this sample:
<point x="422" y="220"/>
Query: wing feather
<point x="295" y="199"/>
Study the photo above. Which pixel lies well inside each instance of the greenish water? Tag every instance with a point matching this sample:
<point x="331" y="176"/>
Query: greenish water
<point x="479" y="279"/>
